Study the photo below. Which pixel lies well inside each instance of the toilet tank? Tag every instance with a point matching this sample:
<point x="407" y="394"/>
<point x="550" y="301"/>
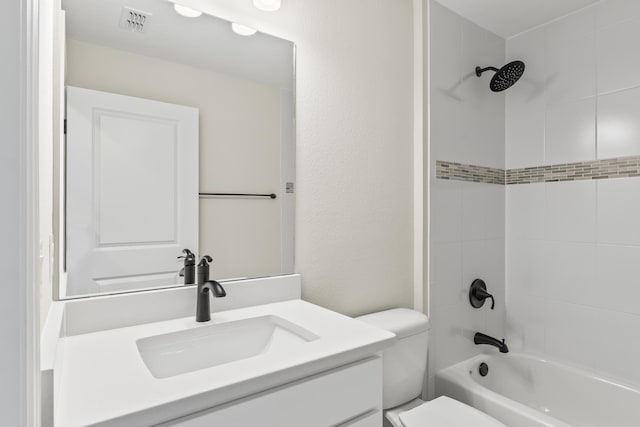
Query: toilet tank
<point x="403" y="364"/>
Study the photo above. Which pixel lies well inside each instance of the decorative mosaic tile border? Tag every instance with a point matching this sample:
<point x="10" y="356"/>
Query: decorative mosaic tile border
<point x="621" y="167"/>
<point x="472" y="173"/>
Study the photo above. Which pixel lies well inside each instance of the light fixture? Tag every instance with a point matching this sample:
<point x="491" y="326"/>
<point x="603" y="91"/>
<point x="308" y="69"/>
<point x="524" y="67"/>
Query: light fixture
<point x="186" y="11"/>
<point x="268" y="5"/>
<point x="243" y="30"/>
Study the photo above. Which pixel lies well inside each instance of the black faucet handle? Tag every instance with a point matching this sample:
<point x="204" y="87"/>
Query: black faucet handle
<point x="478" y="294"/>
<point x="204" y="262"/>
<point x="188" y="257"/>
<point x="481" y="294"/>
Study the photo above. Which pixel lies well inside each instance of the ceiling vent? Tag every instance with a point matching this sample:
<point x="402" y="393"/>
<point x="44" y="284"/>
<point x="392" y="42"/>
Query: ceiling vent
<point x="134" y="20"/>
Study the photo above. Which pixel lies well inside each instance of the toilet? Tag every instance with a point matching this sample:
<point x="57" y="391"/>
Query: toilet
<point x="404" y="366"/>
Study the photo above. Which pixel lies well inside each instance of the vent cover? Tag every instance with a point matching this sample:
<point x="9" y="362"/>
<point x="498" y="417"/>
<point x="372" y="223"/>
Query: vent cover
<point x="134" y="20"/>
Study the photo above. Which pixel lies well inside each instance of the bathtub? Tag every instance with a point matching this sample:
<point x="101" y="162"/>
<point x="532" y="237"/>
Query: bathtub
<point x="526" y="391"/>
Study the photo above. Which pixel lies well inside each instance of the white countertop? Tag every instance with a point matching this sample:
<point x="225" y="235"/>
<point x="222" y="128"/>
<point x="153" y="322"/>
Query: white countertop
<point x="102" y="379"/>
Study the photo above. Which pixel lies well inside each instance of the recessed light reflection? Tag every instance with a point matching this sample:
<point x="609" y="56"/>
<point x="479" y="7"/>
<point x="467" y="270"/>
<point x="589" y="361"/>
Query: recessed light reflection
<point x="187" y="11"/>
<point x="243" y="30"/>
<point x="616" y="132"/>
<point x="268" y="5"/>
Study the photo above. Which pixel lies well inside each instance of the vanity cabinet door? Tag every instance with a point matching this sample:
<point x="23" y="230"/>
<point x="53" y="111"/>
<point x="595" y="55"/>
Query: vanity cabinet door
<point x="347" y="396"/>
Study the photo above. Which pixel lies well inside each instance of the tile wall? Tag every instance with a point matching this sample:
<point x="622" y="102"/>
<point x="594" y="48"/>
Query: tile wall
<point x="573" y="248"/>
<point x="467" y="234"/>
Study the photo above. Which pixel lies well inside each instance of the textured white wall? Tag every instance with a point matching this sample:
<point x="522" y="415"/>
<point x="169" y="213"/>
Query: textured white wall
<point x="467" y="218"/>
<point x="354" y="223"/>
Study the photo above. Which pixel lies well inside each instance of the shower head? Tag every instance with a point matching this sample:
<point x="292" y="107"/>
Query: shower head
<point x="505" y="77"/>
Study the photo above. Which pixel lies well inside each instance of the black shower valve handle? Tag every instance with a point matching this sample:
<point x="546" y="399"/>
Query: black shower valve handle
<point x="481" y="294"/>
<point x="478" y="294"/>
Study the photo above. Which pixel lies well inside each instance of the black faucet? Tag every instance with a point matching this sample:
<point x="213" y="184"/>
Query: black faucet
<point x="480" y="338"/>
<point x="203" y="310"/>
<point x="189" y="269"/>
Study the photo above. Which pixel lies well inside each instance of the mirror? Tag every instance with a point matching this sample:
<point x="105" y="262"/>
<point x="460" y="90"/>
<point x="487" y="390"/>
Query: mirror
<point x="179" y="134"/>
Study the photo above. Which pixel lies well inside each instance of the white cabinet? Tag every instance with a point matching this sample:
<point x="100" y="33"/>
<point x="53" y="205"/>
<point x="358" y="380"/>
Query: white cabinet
<point x="368" y="420"/>
<point x="350" y="396"/>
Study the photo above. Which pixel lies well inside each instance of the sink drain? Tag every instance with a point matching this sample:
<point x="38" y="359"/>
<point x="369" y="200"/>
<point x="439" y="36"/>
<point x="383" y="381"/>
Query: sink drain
<point x="483" y="369"/>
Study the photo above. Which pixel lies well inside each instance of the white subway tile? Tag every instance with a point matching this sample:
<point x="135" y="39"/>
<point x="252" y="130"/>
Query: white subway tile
<point x="619" y="124"/>
<point x="483" y="211"/>
<point x="446" y="134"/>
<point x="618" y="60"/>
<point x="570" y="271"/>
<point x="525" y="322"/>
<point x="571" y="58"/>
<point x="483" y="131"/>
<point x="525" y="211"/>
<point x="446" y="274"/>
<point x="525" y="267"/>
<point x="619" y="211"/>
<point x="524" y="133"/>
<point x="619" y="357"/>
<point x="446" y="210"/>
<point x="571" y="211"/>
<point x="618" y="272"/>
<point x="568" y="336"/>
<point x="570" y="133"/>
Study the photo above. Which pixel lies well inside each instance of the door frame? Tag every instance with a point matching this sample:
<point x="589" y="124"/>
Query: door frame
<point x="28" y="304"/>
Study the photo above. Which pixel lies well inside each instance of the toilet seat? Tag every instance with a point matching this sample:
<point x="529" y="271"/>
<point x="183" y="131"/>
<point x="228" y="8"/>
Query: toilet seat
<point x="446" y="412"/>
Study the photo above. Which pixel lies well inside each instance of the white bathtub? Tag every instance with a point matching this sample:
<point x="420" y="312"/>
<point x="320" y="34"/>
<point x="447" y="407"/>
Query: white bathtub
<point x="525" y="391"/>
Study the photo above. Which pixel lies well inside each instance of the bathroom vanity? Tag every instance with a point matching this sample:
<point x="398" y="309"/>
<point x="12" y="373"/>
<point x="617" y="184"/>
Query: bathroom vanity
<point x="121" y="345"/>
<point x="266" y="357"/>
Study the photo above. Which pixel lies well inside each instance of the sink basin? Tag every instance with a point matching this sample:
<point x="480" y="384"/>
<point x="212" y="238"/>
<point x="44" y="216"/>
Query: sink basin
<point x="204" y="347"/>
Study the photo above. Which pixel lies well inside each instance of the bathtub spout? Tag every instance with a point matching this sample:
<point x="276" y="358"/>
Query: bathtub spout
<point x="480" y="338"/>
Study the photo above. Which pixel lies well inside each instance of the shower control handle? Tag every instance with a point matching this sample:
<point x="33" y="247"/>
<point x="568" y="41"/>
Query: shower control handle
<point x="478" y="294"/>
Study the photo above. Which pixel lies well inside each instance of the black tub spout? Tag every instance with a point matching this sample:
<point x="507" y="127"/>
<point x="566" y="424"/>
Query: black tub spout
<point x="480" y="338"/>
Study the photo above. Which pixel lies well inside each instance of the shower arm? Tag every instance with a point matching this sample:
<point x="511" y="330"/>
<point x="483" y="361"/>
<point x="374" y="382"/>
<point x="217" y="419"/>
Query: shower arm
<point x="479" y="70"/>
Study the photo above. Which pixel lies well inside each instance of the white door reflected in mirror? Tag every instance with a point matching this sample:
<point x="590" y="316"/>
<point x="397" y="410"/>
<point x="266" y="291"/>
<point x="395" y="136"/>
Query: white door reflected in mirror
<point x="132" y="200"/>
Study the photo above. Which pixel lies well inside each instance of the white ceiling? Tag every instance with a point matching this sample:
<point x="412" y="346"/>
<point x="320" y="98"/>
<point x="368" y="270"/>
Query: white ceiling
<point x="204" y="42"/>
<point x="507" y="18"/>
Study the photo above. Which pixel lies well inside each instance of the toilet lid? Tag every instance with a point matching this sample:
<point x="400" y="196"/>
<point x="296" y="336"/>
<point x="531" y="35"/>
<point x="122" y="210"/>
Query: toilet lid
<point x="446" y="412"/>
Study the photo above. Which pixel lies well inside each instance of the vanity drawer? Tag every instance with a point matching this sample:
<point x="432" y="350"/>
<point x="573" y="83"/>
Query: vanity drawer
<point x="347" y="396"/>
<point x="373" y="419"/>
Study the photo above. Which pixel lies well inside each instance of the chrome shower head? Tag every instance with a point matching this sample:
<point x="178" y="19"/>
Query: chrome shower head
<point x="505" y="77"/>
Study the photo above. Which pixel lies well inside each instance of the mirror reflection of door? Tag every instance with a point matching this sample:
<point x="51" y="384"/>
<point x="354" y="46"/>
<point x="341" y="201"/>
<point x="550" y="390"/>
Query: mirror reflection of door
<point x="132" y="200"/>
